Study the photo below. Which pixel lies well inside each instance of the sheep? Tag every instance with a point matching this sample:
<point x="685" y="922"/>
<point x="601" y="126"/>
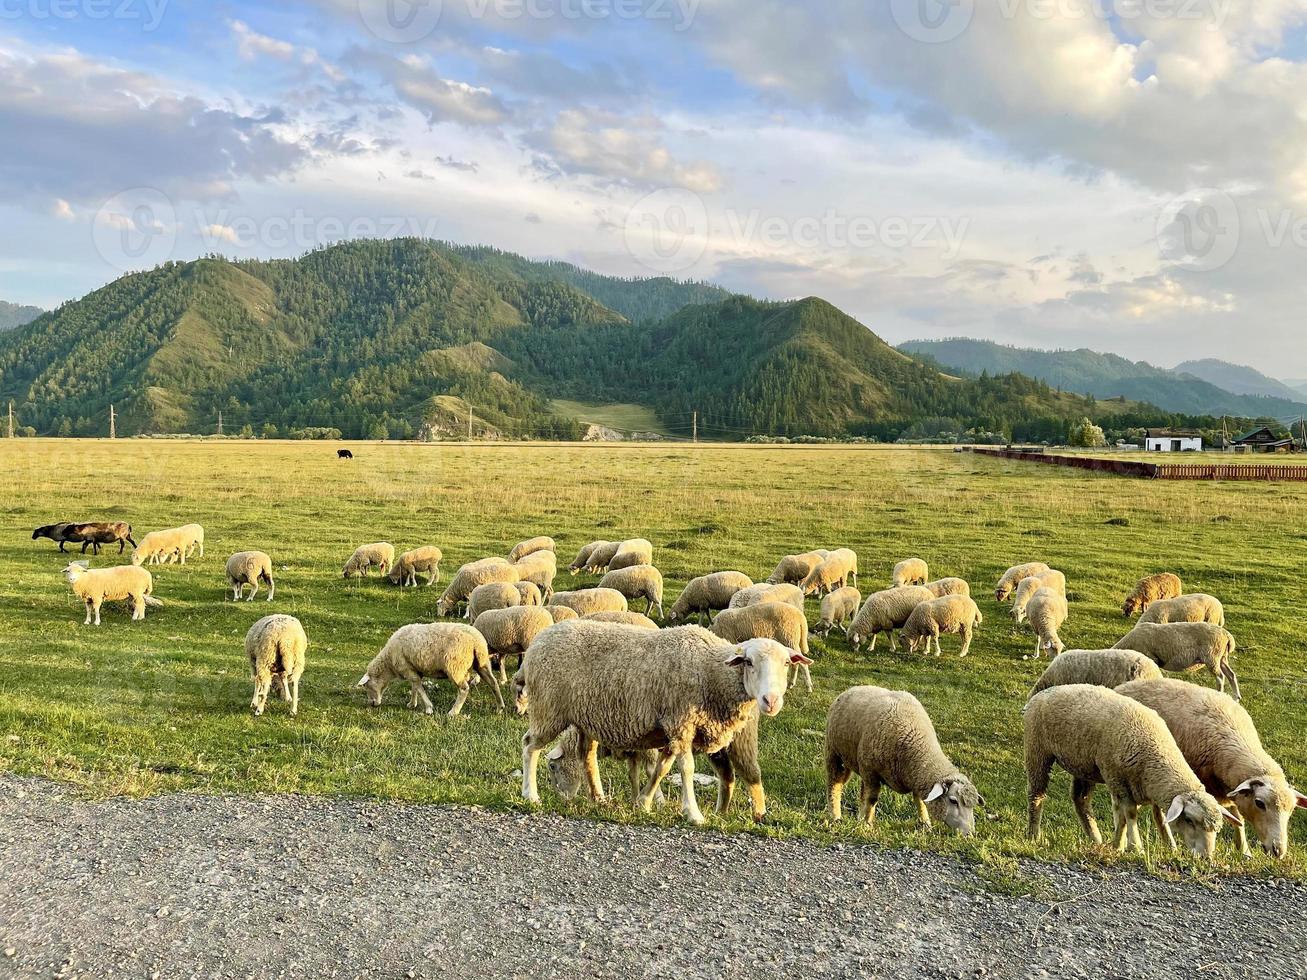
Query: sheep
<point x="1028" y="586"/>
<point x="538" y="568"/>
<point x="887" y="738"/>
<point x="492" y="595"/>
<point x="381" y="554"/>
<point x="163" y="546"/>
<point x="1180" y="647"/>
<point x="707" y="594"/>
<point x="601" y="556"/>
<point x="777" y="621"/>
<point x="625" y="618"/>
<point x="768" y="592"/>
<point x="407" y="565"/>
<point x="94" y="533"/>
<point x="636" y="551"/>
<point x="586" y="601"/>
<point x="194" y="541"/>
<point x="94" y="586"/>
<point x="249" y="568"/>
<point x="562" y="613"/>
<point x="885" y="612"/>
<point x="947" y="614"/>
<point x="1221" y="745"/>
<point x="637" y="582"/>
<point x="582" y="559"/>
<point x="1010" y="579"/>
<point x="1047" y="612"/>
<point x="949" y="586"/>
<point x="529" y="593"/>
<point x="837" y="609"/>
<point x="1099" y="736"/>
<point x="1105" y="668"/>
<point x="834" y="572"/>
<point x="275" y="646"/>
<point x="510" y="631"/>
<point x="1196" y="607"/>
<point x="793" y="569"/>
<point x="530" y="546"/>
<point x="911" y="571"/>
<point x="1149" y="589"/>
<point x="429" y="650"/>
<point x="469" y="576"/>
<point x="677" y="690"/>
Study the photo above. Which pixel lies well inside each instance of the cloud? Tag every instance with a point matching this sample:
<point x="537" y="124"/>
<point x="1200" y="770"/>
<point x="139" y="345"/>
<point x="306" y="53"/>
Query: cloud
<point x="63" y="210"/>
<point x="455" y="164"/>
<point x="415" y="80"/>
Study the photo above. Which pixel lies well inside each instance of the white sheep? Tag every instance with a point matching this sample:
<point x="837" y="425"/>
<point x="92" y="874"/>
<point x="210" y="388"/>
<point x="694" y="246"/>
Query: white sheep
<point x="249" y="568"/>
<point x="833" y="573"/>
<point x="563" y="613"/>
<point x="677" y="690"/>
<point x="275" y="646"/>
<point x="708" y="594"/>
<point x="1181" y="647"/>
<point x="768" y="592"/>
<point x="1099" y="736"/>
<point x="586" y="601"/>
<point x="452" y="650"/>
<point x="947" y="614"/>
<point x="164" y="546"/>
<point x="793" y="569"/>
<point x="1197" y="607"/>
<point x="469" y="576"/>
<point x="95" y="586"/>
<point x="884" y="612"/>
<point x="949" y="586"/>
<point x="837" y="609"/>
<point x="410" y="563"/>
<point x="637" y="582"/>
<point x="910" y="571"/>
<point x="381" y="554"/>
<point x="888" y="739"/>
<point x="530" y="546"/>
<point x="194" y="541"/>
<point x="582" y="559"/>
<point x="529" y="593"/>
<point x="635" y="551"/>
<point x="777" y="621"/>
<point x="1028" y="586"/>
<point x="1221" y="745"/>
<point x="1010" y="579"/>
<point x="1105" y="668"/>
<point x="1047" y="611"/>
<point x="538" y="568"/>
<point x="603" y="553"/>
<point x="510" y="631"/>
<point x="492" y="595"/>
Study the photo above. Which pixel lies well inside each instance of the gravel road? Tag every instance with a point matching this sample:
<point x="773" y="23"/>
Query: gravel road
<point x="280" y="886"/>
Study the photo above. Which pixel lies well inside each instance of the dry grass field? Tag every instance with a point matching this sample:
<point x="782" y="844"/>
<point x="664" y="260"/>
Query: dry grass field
<point x="163" y="705"/>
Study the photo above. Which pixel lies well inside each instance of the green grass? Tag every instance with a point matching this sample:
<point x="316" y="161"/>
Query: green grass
<point x="161" y="705"/>
<point x="627" y="418"/>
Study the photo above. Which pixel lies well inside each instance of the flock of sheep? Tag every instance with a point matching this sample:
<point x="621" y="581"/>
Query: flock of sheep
<point x="595" y="677"/>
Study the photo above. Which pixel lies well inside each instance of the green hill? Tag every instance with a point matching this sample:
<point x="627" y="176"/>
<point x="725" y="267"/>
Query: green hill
<point x="13" y="315"/>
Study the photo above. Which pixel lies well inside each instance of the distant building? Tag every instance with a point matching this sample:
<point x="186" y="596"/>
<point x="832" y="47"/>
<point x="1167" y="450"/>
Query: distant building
<point x="1173" y="441"/>
<point x="1263" y="440"/>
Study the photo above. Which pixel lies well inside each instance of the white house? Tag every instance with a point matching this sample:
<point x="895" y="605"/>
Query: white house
<point x="1173" y="441"/>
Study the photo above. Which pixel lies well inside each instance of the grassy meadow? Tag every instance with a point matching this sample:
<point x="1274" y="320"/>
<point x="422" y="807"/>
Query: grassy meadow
<point x="163" y="705"/>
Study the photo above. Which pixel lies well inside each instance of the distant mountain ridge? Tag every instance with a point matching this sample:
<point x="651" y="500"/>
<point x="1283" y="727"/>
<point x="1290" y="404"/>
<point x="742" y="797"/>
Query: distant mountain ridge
<point x="13" y="315"/>
<point x="1238" y="379"/>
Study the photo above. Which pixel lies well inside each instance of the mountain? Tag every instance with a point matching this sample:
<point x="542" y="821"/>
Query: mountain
<point x="1109" y="376"/>
<point x="393" y="338"/>
<point x="12" y="315"/>
<point x="1238" y="379"/>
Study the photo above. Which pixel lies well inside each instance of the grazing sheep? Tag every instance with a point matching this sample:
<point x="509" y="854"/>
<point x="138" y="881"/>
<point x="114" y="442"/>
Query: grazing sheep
<point x="1197" y="607"/>
<point x="887" y="738"/>
<point x="163" y="546"/>
<point x="637" y="582"/>
<point x="424" y="559"/>
<point x="837" y="609"/>
<point x="793" y="569"/>
<point x="469" y="576"/>
<point x="1221" y="745"/>
<point x="911" y="571"/>
<point x="529" y="593"/>
<point x="885" y="612"/>
<point x="602" y="554"/>
<point x="678" y="690"/>
<point x="538" y="568"/>
<point x="421" y="650"/>
<point x="768" y="592"/>
<point x="276" y="645"/>
<point x="1028" y="586"/>
<point x="947" y="614"/>
<point x="95" y="586"/>
<point x="1149" y="590"/>
<point x="623" y="618"/>
<point x="249" y="568"/>
<point x="344" y="454"/>
<point x="777" y="621"/>
<point x="1047" y="612"/>
<point x="636" y="551"/>
<point x="1180" y="647"/>
<point x="582" y="559"/>
<point x="1099" y="736"/>
<point x="834" y="572"/>
<point x="1010" y="579"/>
<point x="563" y="613"/>
<point x="55" y="532"/>
<point x="530" y="546"/>
<point x="510" y="631"/>
<point x="586" y="601"/>
<point x="492" y="595"/>
<point x="94" y="533"/>
<point x="949" y="586"/>
<point x="1104" y="668"/>
<point x="708" y="594"/>
<point x="196" y="542"/>
<point x="381" y="554"/>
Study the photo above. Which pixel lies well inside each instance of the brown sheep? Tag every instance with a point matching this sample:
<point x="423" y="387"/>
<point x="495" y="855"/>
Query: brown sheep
<point x="1150" y="589"/>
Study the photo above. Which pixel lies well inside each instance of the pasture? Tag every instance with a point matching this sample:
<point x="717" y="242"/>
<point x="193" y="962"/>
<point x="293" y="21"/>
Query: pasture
<point x="162" y="705"/>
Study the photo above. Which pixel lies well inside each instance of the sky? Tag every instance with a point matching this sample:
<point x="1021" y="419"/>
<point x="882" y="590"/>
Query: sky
<point x="1124" y="175"/>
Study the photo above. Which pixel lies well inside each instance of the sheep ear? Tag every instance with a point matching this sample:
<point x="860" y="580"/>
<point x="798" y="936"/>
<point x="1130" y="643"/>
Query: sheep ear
<point x="555" y="753"/>
<point x="1302" y="800"/>
<point x="736" y="660"/>
<point x="1177" y="808"/>
<point x="363" y="681"/>
<point x="935" y="793"/>
<point x="1245" y="787"/>
<point x="797" y="658"/>
<point x="1231" y="816"/>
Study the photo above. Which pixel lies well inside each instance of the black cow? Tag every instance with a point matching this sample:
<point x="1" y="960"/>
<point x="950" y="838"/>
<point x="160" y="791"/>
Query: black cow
<point x="344" y="454"/>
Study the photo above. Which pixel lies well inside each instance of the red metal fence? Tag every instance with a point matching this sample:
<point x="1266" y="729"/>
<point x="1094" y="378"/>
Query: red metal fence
<point x="1160" y="471"/>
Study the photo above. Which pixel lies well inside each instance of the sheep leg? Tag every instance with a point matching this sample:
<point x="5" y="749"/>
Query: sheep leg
<point x="488" y="676"/>
<point x="282" y="687"/>
<point x="530" y="760"/>
<point x="1082" y="792"/>
<point x="590" y="759"/>
<point x="1163" y="828"/>
<point x="254" y="590"/>
<point x="938" y="651"/>
<point x="966" y="641"/>
<point x="807" y="676"/>
<point x="463" y="690"/>
<point x="1240" y="833"/>
<point x="1123" y="813"/>
<point x="868" y="797"/>
<point x="923" y="814"/>
<point x="1038" y="771"/>
<point x="1228" y="671"/>
<point x="634" y="777"/>
<point x="661" y="768"/>
<point x="89" y="606"/>
<point x="874" y="636"/>
<point x="295" y="696"/>
<point x="689" y="803"/>
<point x="272" y="588"/>
<point x="837" y="775"/>
<point x="721" y="762"/>
<point x="97" y="611"/>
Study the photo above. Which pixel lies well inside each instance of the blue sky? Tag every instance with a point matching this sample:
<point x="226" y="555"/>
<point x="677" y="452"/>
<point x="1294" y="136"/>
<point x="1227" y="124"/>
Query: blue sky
<point x="1125" y="175"/>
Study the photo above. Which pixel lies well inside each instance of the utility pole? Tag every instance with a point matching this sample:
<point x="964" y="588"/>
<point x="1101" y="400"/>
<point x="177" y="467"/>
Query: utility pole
<point x="694" y="426"/>
<point x="1225" y="434"/>
<point x="113" y="427"/>
<point x="469" y="421"/>
<point x="11" y="419"/>
<point x="220" y="421"/>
